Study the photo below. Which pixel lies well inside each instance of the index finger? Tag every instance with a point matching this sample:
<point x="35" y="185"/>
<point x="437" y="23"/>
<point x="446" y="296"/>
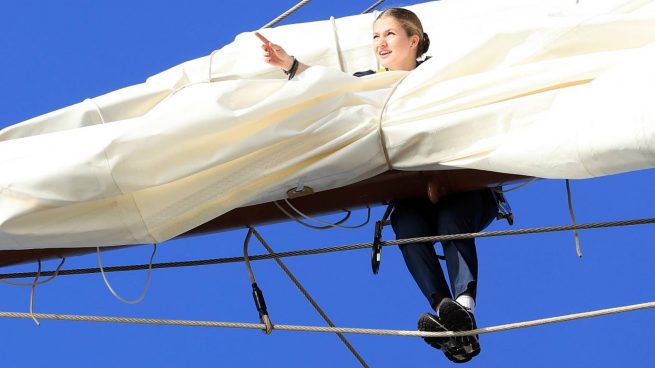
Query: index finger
<point x="262" y="38"/>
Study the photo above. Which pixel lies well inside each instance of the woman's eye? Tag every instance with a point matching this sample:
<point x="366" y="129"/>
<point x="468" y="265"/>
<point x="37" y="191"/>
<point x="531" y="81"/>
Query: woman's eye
<point x="375" y="37"/>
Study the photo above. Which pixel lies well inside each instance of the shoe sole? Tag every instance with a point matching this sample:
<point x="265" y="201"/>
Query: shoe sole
<point x="456" y="318"/>
<point x="431" y="323"/>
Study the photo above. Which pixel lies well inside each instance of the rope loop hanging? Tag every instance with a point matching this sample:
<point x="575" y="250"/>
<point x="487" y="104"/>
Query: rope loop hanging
<point x="327" y="225"/>
<point x="576" y="235"/>
<point x="147" y="284"/>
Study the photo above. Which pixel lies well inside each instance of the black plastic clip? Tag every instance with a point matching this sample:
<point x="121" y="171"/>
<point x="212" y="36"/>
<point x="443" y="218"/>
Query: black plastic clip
<point x="260" y="303"/>
<point x="504" y="210"/>
<point x="376" y="249"/>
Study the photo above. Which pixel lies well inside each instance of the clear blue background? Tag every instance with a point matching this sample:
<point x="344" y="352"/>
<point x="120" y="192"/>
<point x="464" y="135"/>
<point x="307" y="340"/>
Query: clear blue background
<point x="57" y="53"/>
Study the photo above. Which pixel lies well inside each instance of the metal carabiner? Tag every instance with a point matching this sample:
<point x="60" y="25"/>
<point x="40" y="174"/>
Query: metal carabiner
<point x="376" y="249"/>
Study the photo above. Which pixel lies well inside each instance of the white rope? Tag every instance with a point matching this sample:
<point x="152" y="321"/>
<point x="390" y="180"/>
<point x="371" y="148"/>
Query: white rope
<point x="32" y="292"/>
<point x="336" y="43"/>
<point x="145" y="289"/>
<point x="576" y="235"/>
<point x="296" y="219"/>
<point x="55" y="274"/>
<point x="523" y="185"/>
<point x="327" y="224"/>
<point x="286" y="14"/>
<point x="382" y="111"/>
<point x="365" y="331"/>
<point x="36" y="283"/>
<point x="211" y="61"/>
<point x="375" y="58"/>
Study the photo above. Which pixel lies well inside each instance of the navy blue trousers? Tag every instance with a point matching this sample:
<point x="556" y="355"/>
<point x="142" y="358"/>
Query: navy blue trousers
<point x="457" y="213"/>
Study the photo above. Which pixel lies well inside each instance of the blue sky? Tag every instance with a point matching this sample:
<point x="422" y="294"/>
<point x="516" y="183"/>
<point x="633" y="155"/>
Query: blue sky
<point x="55" y="54"/>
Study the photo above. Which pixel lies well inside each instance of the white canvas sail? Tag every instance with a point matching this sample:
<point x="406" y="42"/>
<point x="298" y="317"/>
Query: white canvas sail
<point x="550" y="89"/>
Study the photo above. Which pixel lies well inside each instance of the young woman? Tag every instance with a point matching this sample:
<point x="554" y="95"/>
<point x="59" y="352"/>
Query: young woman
<point x="398" y="43"/>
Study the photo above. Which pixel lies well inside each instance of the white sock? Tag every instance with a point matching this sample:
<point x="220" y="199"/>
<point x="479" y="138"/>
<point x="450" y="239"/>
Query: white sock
<point x="466" y="301"/>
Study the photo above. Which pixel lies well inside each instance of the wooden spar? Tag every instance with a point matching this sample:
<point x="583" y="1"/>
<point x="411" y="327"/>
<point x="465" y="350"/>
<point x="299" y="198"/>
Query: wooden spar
<point x="384" y="188"/>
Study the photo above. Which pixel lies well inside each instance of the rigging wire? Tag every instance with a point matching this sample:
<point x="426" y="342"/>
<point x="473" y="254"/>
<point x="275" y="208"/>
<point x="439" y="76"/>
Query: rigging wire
<point x="291" y="10"/>
<point x="355" y="246"/>
<point x="365" y="331"/>
<point x="372" y="6"/>
<point x="304" y="291"/>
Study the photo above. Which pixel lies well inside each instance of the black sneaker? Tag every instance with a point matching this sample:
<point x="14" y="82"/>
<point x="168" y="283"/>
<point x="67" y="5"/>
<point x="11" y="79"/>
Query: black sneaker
<point x="456" y="317"/>
<point x="430" y="322"/>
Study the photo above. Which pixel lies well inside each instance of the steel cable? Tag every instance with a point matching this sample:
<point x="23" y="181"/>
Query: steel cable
<point x="350" y="330"/>
<point x="304" y="252"/>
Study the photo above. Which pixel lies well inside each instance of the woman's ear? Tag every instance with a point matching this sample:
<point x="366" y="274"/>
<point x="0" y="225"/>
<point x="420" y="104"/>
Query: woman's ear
<point x="415" y="40"/>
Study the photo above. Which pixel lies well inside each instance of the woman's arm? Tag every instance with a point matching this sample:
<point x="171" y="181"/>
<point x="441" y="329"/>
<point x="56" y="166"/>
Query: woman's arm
<point x="276" y="56"/>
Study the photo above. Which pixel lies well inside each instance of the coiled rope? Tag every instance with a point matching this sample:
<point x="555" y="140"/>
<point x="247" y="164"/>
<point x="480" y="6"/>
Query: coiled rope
<point x="364" y="331"/>
<point x="305" y="252"/>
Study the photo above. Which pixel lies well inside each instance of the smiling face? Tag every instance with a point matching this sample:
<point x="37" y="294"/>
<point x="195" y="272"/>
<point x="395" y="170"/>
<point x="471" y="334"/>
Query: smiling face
<point x="393" y="47"/>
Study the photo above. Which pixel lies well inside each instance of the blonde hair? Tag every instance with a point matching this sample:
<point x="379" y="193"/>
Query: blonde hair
<point x="411" y="24"/>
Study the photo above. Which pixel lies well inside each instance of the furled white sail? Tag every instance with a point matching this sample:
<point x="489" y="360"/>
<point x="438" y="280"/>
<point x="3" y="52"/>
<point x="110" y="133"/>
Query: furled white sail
<point x="550" y="89"/>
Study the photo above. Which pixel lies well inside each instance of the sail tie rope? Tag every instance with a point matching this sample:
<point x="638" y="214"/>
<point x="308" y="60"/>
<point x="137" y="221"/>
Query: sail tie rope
<point x="294" y="218"/>
<point x="575" y="231"/>
<point x="327" y="224"/>
<point x="145" y="289"/>
<point x="382" y="111"/>
<point x="522" y="185"/>
<point x="336" y="44"/>
<point x="32" y="292"/>
<point x="52" y="275"/>
<point x="36" y="283"/>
